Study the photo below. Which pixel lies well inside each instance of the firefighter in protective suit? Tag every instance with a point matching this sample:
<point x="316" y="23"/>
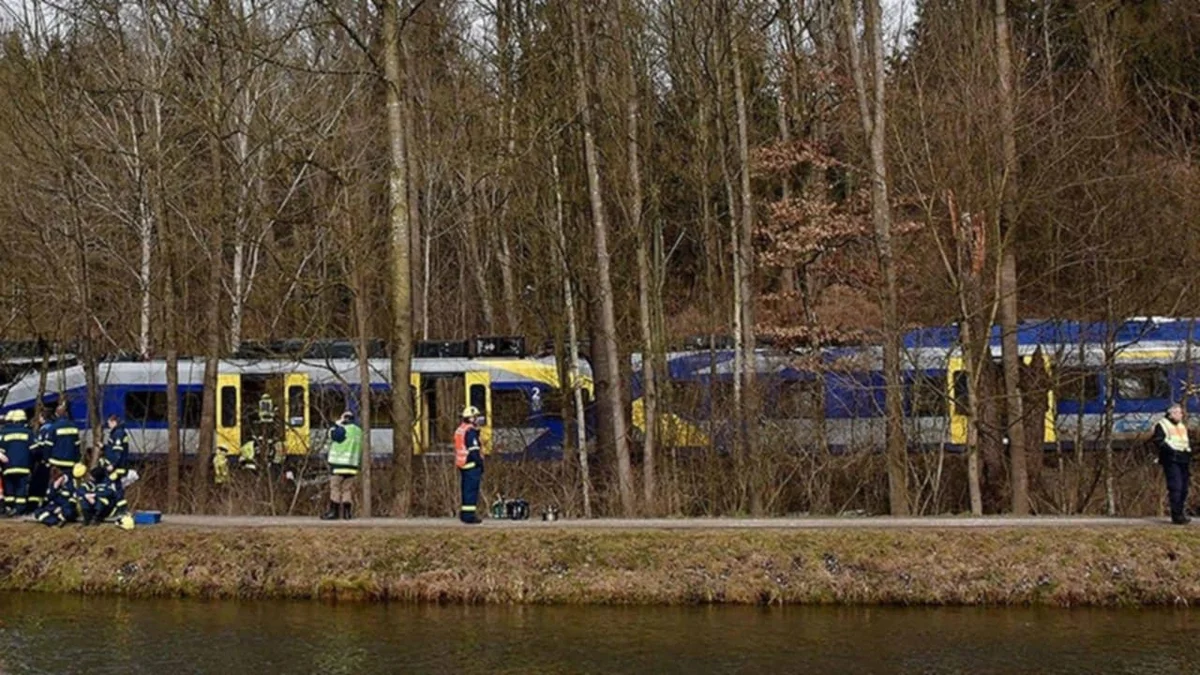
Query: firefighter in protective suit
<point x="62" y="504"/>
<point x="468" y="457"/>
<point x="16" y="441"/>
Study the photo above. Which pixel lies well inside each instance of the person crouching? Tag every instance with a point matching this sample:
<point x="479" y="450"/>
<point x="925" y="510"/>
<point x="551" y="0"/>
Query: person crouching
<point x="62" y="503"/>
<point x="345" y="455"/>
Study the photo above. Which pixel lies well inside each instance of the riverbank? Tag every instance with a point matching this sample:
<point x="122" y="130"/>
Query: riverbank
<point x="986" y="566"/>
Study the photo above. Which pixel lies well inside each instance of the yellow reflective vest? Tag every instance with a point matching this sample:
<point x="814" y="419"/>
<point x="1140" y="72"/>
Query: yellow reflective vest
<point x="1175" y="435"/>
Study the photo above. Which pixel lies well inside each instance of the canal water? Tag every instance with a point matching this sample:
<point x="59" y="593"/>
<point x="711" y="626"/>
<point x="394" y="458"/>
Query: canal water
<point x="67" y="634"/>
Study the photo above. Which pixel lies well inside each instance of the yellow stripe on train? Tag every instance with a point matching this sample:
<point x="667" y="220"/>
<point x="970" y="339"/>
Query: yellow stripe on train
<point x="673" y="431"/>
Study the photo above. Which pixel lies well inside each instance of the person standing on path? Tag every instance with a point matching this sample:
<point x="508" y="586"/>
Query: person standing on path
<point x="345" y="454"/>
<point x="468" y="457"/>
<point x="1175" y="455"/>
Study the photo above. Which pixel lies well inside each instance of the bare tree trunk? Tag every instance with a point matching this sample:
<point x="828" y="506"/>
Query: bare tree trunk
<point x="608" y="322"/>
<point x="1008" y="267"/>
<point x="471" y="243"/>
<point x="968" y="265"/>
<point x="173" y="444"/>
<point x="364" y="386"/>
<point x="739" y="353"/>
<point x="874" y="130"/>
<point x="504" y="255"/>
<point x="401" y="263"/>
<point x="645" y="282"/>
<point x="745" y="284"/>
<point x="212" y="316"/>
<point x="420" y="271"/>
<point x="146" y="238"/>
<point x="572" y="343"/>
<point x="508" y="280"/>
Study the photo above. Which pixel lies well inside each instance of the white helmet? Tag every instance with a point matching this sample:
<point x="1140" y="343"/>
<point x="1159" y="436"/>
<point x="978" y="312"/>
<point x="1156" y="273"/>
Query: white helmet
<point x="470" y="412"/>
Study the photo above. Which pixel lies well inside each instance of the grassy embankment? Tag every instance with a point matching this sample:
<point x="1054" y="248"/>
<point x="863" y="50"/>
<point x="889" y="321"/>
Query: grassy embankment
<point x="995" y="566"/>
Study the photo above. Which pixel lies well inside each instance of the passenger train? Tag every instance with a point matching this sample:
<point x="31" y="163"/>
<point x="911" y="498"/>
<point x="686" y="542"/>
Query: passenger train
<point x="1143" y="364"/>
<point x="831" y="395"/>
<point x="311" y="386"/>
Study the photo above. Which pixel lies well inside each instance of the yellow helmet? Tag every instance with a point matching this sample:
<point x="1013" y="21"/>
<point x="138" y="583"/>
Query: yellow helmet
<point x="125" y="522"/>
<point x="470" y="411"/>
<point x="79" y="470"/>
<point x="16" y="415"/>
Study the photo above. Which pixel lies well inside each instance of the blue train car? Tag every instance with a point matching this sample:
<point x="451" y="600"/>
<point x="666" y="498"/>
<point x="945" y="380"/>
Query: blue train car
<point x="837" y="395"/>
<point x="519" y="396"/>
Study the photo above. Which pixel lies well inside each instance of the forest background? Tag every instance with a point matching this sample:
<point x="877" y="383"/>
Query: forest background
<point x="630" y="172"/>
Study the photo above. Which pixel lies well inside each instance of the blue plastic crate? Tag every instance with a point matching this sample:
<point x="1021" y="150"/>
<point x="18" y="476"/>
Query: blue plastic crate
<point x="147" y="517"/>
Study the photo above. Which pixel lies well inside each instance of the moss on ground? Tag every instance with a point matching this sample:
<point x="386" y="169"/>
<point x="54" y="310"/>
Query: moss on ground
<point x="1062" y="567"/>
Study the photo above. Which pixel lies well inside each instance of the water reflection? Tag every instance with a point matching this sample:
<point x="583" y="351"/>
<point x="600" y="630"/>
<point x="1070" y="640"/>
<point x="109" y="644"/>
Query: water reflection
<point x="55" y="634"/>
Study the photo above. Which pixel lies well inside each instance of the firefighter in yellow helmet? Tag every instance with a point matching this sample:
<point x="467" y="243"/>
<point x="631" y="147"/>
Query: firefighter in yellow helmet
<point x="468" y="457"/>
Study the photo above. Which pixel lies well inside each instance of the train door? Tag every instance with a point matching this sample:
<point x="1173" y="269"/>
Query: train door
<point x="479" y="394"/>
<point x="1050" y="433"/>
<point x="440" y="402"/>
<point x="956" y="394"/>
<point x="229" y="409"/>
<point x="420" y="419"/>
<point x="296" y="419"/>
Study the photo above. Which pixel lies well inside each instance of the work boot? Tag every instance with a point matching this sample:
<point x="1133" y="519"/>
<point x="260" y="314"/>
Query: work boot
<point x="1180" y="519"/>
<point x="347" y="511"/>
<point x="332" y="513"/>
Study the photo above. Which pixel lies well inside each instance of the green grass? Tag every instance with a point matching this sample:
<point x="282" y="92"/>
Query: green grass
<point x="1137" y="566"/>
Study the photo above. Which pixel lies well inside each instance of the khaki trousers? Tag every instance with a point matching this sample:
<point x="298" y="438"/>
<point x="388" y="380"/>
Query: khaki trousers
<point x="341" y="489"/>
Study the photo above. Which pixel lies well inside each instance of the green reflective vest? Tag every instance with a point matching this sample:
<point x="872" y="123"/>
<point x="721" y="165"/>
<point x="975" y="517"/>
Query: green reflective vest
<point x="348" y="452"/>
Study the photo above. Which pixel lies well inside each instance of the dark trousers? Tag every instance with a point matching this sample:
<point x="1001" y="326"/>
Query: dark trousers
<point x="1178" y="474"/>
<point x="39" y="484"/>
<point x="16" y="491"/>
<point x="469" y="480"/>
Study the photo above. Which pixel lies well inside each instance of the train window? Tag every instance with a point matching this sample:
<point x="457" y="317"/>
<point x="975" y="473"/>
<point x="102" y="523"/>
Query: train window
<point x="326" y="406"/>
<point x="296" y="405"/>
<point x="962" y="393"/>
<point x="193" y="406"/>
<point x="1078" y="385"/>
<point x="796" y="399"/>
<point x="478" y="397"/>
<point x="510" y="408"/>
<point x="925" y="398"/>
<point x="1142" y="383"/>
<point x="146" y="406"/>
<point x="381" y="409"/>
<point x="229" y="411"/>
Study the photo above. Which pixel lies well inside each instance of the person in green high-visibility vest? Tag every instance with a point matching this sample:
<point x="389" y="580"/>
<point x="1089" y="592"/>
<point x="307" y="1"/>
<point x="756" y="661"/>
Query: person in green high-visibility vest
<point x="345" y="453"/>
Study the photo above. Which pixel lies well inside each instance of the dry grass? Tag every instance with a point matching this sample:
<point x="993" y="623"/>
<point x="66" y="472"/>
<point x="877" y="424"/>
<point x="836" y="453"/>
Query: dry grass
<point x="1144" y="566"/>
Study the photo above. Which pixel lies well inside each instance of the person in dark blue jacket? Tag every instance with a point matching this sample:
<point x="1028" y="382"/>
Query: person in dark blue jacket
<point x="97" y="498"/>
<point x="39" y="483"/>
<point x="468" y="457"/>
<point x="62" y="503"/>
<point x="64" y="435"/>
<point x="16" y="442"/>
<point x="116" y="449"/>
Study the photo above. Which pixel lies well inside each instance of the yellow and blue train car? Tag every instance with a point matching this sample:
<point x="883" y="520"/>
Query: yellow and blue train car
<point x="311" y="387"/>
<point x="1102" y="383"/>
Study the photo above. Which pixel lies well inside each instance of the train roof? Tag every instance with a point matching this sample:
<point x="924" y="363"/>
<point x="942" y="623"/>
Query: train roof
<point x="1066" y="333"/>
<point x="1143" y="339"/>
<point x="326" y="372"/>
